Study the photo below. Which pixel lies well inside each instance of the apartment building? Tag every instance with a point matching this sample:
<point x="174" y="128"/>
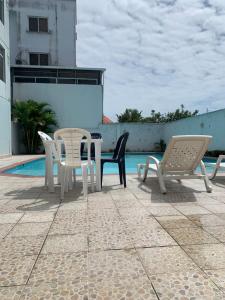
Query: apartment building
<point x="43" y="32"/>
<point x="5" y="111"/>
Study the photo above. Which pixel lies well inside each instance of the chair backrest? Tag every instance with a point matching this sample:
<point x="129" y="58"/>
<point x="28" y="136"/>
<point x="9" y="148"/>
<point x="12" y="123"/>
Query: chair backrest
<point x="46" y="138"/>
<point x="94" y="135"/>
<point x="120" y="149"/>
<point x="184" y="153"/>
<point x="72" y="138"/>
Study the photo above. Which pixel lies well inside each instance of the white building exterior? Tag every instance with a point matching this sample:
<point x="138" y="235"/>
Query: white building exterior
<point x="5" y="105"/>
<point x="43" y="32"/>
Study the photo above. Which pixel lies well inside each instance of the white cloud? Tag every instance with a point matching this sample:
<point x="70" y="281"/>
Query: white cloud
<point x="157" y="53"/>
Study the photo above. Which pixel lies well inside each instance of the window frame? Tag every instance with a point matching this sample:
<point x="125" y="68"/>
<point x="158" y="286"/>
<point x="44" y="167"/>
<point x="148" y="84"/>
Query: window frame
<point x="2" y="14"/>
<point x="39" y="58"/>
<point x="2" y="55"/>
<point x="38" y="24"/>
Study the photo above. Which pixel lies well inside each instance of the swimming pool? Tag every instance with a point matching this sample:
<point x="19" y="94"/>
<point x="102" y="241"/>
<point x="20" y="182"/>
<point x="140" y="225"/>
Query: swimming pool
<point x="37" y="167"/>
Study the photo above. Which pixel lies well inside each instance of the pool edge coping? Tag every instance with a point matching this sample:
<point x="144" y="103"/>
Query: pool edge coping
<point x="14" y="165"/>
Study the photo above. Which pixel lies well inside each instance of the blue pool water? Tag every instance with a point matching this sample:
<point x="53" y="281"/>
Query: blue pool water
<point x="37" y="167"/>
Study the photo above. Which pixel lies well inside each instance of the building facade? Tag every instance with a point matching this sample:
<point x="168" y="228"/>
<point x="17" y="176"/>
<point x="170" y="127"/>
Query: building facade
<point x="43" y="32"/>
<point x="5" y="105"/>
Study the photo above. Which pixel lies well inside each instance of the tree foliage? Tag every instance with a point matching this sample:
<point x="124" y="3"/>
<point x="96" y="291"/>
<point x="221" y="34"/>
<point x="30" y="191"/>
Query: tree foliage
<point x="133" y="115"/>
<point x="130" y="115"/>
<point x="33" y="116"/>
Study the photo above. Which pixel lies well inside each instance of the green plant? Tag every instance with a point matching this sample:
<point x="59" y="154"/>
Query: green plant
<point x="161" y="145"/>
<point x="33" y="116"/>
<point x="130" y="115"/>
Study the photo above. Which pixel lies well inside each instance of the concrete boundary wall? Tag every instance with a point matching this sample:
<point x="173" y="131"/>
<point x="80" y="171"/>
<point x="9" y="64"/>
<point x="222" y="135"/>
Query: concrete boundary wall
<point x="212" y="123"/>
<point x="144" y="136"/>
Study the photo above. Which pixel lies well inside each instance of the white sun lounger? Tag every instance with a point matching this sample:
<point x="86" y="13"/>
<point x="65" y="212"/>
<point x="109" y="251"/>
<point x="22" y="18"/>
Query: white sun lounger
<point x="180" y="160"/>
<point x="218" y="165"/>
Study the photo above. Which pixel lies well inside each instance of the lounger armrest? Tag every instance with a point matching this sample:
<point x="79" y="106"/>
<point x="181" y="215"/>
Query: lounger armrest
<point x="220" y="158"/>
<point x="154" y="159"/>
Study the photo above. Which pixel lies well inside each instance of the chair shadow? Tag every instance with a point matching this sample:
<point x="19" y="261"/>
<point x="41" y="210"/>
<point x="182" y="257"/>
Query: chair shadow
<point x="177" y="193"/>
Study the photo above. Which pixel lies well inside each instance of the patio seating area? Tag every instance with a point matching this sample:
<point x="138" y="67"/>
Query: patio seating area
<point x="132" y="243"/>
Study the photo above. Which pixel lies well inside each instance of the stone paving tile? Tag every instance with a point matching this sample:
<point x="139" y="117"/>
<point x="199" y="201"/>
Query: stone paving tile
<point x="18" y="206"/>
<point x="127" y="203"/>
<point x="15" y="270"/>
<point x="218" y="277"/>
<point x="116" y="264"/>
<point x="21" y="245"/>
<point x="192" y="210"/>
<point x="73" y="205"/>
<point x="11" y="293"/>
<point x="217" y="209"/>
<point x="148" y="237"/>
<point x="68" y="227"/>
<point x="175" y="222"/>
<point x="109" y="237"/>
<point x="38" y="217"/>
<point x="207" y="256"/>
<point x="192" y="284"/>
<point x="160" y="260"/>
<point x="207" y="220"/>
<point x="221" y="216"/>
<point x="103" y="218"/>
<point x="65" y="243"/>
<point x="139" y="220"/>
<point x="163" y="211"/>
<point x="4" y="229"/>
<point x="217" y="231"/>
<point x="123" y="288"/>
<point x="10" y="218"/>
<point x="191" y="236"/>
<point x="69" y="290"/>
<point x="30" y="229"/>
<point x="100" y="203"/>
<point x="59" y="268"/>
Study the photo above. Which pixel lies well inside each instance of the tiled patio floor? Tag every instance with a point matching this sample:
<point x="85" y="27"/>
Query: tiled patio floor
<point x="120" y="244"/>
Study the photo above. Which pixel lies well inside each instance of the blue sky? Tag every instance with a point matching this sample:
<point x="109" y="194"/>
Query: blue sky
<point x="158" y="54"/>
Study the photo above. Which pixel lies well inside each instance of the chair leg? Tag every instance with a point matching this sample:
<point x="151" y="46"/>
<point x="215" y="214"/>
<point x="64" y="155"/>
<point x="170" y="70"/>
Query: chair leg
<point x="67" y="178"/>
<point x="92" y="177"/>
<point x="102" y="166"/>
<point x="145" y="173"/>
<point x="124" y="174"/>
<point x="120" y="172"/>
<point x="59" y="173"/>
<point x="63" y="182"/>
<point x="85" y="181"/>
<point x="205" y="177"/>
<point x="161" y="182"/>
<point x="74" y="176"/>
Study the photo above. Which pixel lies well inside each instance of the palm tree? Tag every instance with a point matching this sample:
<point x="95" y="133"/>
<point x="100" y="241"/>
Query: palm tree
<point x="33" y="116"/>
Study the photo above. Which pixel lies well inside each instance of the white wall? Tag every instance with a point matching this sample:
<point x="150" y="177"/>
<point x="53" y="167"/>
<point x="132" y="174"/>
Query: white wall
<point x="5" y="115"/>
<point x="60" y="42"/>
<point x="74" y="105"/>
<point x="212" y="123"/>
<point x="142" y="136"/>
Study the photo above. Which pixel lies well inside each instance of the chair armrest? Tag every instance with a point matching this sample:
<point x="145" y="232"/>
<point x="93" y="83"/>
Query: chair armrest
<point x="154" y="159"/>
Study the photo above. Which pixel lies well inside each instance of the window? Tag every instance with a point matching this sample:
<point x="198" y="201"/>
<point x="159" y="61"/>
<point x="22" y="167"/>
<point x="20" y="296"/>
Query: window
<point x="39" y="59"/>
<point x="2" y="11"/>
<point x="2" y="63"/>
<point x="37" y="24"/>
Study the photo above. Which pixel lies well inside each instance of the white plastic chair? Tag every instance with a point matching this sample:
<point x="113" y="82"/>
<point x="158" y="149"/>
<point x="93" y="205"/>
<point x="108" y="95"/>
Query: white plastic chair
<point x="71" y="138"/>
<point x="218" y="165"/>
<point x="180" y="160"/>
<point x="50" y="150"/>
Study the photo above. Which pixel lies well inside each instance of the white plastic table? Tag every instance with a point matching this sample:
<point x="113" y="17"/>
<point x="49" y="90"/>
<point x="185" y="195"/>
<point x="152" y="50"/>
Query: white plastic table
<point x="50" y="162"/>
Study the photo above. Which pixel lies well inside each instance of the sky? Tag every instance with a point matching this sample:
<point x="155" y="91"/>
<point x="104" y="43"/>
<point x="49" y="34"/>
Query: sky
<point x="158" y="54"/>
